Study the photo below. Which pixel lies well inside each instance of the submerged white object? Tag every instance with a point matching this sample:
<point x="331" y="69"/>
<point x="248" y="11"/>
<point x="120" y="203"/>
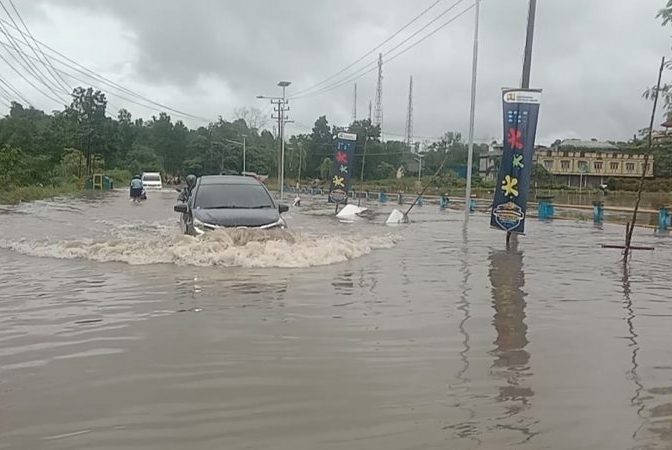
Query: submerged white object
<point x="396" y="217"/>
<point x="350" y="211"/>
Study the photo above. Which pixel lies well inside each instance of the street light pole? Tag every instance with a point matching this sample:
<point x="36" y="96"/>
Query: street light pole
<point x="527" y="61"/>
<point x="244" y="166"/>
<point x="470" y="157"/>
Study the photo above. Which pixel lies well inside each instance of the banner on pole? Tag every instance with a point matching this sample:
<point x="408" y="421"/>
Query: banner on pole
<point x="509" y="207"/>
<point x="342" y="168"/>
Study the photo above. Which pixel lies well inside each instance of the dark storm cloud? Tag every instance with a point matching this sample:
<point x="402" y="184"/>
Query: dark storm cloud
<point x="592" y="58"/>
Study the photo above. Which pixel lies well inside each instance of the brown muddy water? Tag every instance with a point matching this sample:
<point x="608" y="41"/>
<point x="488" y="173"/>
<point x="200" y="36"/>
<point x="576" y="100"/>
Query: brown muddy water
<point x="118" y="333"/>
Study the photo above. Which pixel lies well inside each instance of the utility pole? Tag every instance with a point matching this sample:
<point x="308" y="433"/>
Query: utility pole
<point x="300" y="161"/>
<point x="281" y="108"/>
<point x="378" y="112"/>
<point x="366" y="140"/>
<point x="283" y="85"/>
<point x="369" y="110"/>
<point x="409" y="116"/>
<point x="472" y="115"/>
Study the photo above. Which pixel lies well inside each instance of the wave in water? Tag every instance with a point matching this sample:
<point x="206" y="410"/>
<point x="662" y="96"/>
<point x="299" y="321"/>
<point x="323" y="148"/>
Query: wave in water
<point x="240" y="248"/>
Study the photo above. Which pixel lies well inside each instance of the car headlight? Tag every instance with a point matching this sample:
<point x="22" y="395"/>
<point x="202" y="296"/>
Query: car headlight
<point x="200" y="226"/>
<point x="279" y="224"/>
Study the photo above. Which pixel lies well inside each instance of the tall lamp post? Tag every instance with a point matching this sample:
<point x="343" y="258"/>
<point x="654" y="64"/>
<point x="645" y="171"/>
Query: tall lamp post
<point x="244" y="162"/>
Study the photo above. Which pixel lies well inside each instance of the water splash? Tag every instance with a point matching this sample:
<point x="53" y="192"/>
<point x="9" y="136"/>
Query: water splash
<point x="228" y="248"/>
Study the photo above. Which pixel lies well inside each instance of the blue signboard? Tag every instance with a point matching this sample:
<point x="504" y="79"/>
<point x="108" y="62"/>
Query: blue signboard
<point x="342" y="169"/>
<point x="521" y="111"/>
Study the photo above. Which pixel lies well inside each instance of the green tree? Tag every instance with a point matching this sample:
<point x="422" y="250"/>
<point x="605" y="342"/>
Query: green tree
<point x="88" y="107"/>
<point x="321" y="146"/>
<point x="142" y="158"/>
<point x="325" y="168"/>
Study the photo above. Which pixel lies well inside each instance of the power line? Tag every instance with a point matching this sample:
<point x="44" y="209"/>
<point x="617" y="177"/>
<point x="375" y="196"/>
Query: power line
<point x="433" y="32"/>
<point x="73" y="65"/>
<point x="6" y="95"/>
<point x="28" y="80"/>
<point x="50" y="68"/>
<point x="372" y="66"/>
<point x="12" y="89"/>
<point x="128" y="99"/>
<point x="29" y="66"/>
<point x="373" y="49"/>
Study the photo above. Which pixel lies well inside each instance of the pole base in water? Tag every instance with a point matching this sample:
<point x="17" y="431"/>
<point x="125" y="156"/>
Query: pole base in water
<point x="396" y="217"/>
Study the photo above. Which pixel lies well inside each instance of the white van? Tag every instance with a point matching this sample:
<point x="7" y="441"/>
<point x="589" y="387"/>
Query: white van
<point x="151" y="180"/>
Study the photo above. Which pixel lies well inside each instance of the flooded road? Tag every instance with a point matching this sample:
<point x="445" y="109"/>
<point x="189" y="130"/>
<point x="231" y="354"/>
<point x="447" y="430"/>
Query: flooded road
<point x="116" y="332"/>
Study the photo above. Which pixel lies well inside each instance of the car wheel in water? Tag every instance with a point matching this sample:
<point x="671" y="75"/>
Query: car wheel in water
<point x="187" y="225"/>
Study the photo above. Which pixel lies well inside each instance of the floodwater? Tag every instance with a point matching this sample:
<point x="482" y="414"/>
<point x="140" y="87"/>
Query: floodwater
<point x="116" y="332"/>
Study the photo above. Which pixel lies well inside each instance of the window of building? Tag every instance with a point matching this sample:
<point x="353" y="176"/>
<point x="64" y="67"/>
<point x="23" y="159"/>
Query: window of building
<point x="565" y="154"/>
<point x="613" y="165"/>
<point x="630" y="167"/>
<point x="614" y="155"/>
<point x="564" y="164"/>
<point x="548" y="164"/>
<point x="583" y="154"/>
<point x="583" y="166"/>
<point x="549" y="153"/>
<point x="597" y="165"/>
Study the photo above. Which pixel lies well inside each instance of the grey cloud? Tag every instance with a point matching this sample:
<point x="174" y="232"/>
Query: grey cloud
<point x="592" y="58"/>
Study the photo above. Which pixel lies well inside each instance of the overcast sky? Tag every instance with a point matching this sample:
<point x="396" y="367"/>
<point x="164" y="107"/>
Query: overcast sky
<point x="592" y="58"/>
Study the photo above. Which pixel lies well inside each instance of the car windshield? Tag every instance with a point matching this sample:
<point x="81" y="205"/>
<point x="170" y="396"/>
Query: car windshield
<point x="223" y="196"/>
<point x="151" y="178"/>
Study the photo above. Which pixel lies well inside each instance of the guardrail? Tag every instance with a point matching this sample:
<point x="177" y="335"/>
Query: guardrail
<point x="545" y="207"/>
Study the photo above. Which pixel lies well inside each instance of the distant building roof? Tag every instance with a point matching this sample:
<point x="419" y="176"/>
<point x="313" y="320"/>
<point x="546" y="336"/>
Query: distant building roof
<point x="588" y="145"/>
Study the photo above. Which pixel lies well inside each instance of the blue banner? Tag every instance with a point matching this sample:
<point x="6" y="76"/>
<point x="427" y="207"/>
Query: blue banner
<point x="521" y="111"/>
<point x="342" y="169"/>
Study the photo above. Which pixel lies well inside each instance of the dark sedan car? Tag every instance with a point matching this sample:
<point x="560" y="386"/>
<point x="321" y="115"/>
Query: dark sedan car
<point x="229" y="201"/>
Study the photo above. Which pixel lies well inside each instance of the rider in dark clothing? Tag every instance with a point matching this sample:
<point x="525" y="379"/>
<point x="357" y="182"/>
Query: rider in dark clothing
<point x="186" y="192"/>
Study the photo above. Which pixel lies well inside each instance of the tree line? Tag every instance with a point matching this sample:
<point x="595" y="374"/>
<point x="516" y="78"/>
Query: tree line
<point x="42" y="148"/>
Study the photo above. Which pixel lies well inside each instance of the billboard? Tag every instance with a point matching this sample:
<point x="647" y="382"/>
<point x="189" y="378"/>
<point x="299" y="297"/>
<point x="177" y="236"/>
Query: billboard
<point x="521" y="111"/>
<point x="342" y="168"/>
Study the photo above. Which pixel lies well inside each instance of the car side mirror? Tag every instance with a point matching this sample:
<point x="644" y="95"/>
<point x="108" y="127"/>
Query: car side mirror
<point x="283" y="208"/>
<point x="182" y="208"/>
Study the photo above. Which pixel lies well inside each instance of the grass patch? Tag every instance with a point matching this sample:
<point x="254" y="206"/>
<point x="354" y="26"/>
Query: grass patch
<point x="19" y="194"/>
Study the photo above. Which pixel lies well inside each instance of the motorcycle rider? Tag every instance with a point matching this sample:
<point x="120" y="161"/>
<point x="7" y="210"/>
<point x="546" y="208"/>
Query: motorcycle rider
<point x="137" y="189"/>
<point x="186" y="191"/>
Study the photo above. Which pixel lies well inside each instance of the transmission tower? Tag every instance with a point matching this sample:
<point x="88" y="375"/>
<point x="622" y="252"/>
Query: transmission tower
<point x="378" y="113"/>
<point x="409" y="116"/>
<point x="369" y="110"/>
<point x="354" y="106"/>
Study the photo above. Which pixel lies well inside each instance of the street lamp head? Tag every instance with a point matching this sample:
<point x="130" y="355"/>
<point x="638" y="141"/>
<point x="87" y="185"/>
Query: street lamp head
<point x="284" y="83"/>
<point x="260" y="96"/>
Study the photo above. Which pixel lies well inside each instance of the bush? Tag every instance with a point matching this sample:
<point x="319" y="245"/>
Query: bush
<point x="121" y="177"/>
<point x="30" y="193"/>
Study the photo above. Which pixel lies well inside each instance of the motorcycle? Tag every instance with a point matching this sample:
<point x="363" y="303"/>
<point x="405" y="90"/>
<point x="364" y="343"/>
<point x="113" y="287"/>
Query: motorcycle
<point x="138" y="200"/>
